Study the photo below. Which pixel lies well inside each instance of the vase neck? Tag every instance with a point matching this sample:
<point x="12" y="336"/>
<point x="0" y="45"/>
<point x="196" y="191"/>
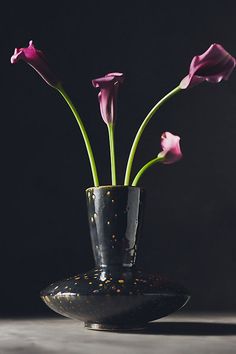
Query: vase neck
<point x="115" y="219"/>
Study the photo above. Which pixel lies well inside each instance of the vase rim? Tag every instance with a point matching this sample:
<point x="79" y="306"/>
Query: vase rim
<point x="119" y="186"/>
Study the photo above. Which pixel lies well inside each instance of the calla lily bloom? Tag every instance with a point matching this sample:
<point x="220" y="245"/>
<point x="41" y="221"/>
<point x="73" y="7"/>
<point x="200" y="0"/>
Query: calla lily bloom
<point x="37" y="60"/>
<point x="215" y="65"/>
<point x="107" y="96"/>
<point x="171" y="151"/>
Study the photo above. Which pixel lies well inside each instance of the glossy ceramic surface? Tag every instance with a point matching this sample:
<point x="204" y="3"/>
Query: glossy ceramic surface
<point x="115" y="218"/>
<point x="115" y="295"/>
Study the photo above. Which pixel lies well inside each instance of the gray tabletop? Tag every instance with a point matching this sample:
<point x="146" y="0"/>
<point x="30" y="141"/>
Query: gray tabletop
<point x="179" y="334"/>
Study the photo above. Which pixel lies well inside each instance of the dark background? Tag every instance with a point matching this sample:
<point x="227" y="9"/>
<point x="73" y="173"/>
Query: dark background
<point x="190" y="221"/>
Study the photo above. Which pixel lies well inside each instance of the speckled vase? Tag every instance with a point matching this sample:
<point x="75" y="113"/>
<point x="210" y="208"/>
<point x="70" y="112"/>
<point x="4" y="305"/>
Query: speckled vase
<point x="115" y="295"/>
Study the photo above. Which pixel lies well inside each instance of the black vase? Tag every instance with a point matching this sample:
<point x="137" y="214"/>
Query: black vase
<point x="115" y="295"/>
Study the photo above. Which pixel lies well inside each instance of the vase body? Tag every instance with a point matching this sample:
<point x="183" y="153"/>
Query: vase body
<point x="115" y="295"/>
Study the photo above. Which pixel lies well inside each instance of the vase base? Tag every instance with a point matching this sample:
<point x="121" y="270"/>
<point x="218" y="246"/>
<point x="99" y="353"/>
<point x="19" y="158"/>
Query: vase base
<point x="113" y="327"/>
<point x="115" y="299"/>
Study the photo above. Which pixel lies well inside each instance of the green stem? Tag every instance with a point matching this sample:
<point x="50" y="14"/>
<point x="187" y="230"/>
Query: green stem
<point x="84" y="134"/>
<point x="112" y="153"/>
<point x="144" y="168"/>
<point x="140" y="132"/>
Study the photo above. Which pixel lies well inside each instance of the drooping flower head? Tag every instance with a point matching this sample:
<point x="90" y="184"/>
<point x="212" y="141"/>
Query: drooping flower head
<point x="107" y="96"/>
<point x="171" y="151"/>
<point x="215" y="65"/>
<point x="37" y="60"/>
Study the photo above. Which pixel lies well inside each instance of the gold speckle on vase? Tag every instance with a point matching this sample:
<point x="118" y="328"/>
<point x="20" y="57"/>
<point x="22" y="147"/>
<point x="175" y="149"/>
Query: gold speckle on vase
<point x="47" y="299"/>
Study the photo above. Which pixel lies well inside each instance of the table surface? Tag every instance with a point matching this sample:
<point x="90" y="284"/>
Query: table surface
<point x="176" y="334"/>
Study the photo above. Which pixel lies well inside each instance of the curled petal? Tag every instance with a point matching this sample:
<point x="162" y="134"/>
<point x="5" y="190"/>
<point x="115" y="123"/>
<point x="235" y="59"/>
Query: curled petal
<point x="171" y="151"/>
<point x="37" y="60"/>
<point x="214" y="65"/>
<point x="107" y="96"/>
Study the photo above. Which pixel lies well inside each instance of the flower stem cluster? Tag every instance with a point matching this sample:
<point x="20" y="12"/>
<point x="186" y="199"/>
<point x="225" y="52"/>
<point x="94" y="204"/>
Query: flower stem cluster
<point x="214" y="65"/>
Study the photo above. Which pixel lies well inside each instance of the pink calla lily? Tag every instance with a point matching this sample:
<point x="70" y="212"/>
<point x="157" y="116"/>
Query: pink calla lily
<point x="214" y="65"/>
<point x="107" y="96"/>
<point x="171" y="151"/>
<point x="37" y="60"/>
